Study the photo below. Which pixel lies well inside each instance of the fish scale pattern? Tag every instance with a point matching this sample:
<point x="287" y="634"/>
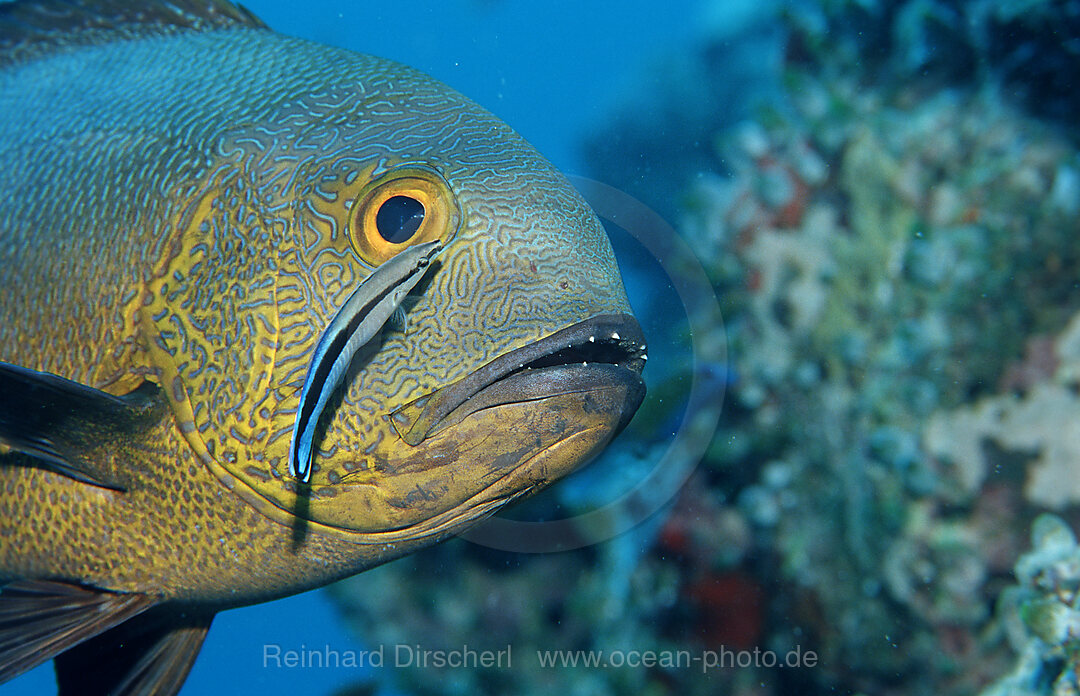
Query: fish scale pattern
<point x="509" y="276"/>
<point x="188" y="225"/>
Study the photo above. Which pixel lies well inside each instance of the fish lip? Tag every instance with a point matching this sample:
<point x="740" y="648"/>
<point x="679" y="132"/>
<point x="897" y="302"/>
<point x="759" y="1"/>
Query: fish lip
<point x="611" y="346"/>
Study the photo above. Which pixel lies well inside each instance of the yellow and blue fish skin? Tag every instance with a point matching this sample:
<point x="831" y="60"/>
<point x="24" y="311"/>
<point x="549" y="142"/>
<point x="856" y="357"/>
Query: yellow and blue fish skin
<point x="188" y="201"/>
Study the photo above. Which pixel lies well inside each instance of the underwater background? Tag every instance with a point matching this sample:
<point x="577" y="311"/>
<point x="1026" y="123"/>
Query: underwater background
<point x="884" y="198"/>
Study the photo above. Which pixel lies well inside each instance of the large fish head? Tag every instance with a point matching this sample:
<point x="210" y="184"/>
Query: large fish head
<point x="516" y="358"/>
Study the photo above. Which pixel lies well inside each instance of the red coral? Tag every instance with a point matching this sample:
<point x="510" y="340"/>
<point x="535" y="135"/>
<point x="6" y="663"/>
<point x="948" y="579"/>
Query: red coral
<point x="730" y="609"/>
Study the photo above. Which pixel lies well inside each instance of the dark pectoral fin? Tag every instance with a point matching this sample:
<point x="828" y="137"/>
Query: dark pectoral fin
<point x="150" y="654"/>
<point x="33" y="28"/>
<point x="64" y="423"/>
<point x="40" y="619"/>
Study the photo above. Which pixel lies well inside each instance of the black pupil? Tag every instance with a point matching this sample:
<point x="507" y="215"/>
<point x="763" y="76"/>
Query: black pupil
<point x="399" y="218"/>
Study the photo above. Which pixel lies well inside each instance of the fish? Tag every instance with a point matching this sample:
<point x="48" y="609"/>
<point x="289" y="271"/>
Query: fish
<point x="363" y="315"/>
<point x="272" y="313"/>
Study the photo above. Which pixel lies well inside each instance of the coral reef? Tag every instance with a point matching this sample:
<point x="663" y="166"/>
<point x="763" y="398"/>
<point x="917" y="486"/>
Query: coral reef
<point x="895" y="246"/>
<point x="1039" y="422"/>
<point x="886" y="257"/>
<point x="1041" y="615"/>
<point x="1025" y="48"/>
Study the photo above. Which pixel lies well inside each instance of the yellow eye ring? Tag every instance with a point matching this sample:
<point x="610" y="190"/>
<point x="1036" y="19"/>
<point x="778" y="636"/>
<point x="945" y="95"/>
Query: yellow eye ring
<point x="401" y="208"/>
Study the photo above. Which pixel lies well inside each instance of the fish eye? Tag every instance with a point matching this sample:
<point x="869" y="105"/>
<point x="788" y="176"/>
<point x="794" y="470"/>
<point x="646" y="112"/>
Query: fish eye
<point x="399" y="218"/>
<point x="401" y="208"/>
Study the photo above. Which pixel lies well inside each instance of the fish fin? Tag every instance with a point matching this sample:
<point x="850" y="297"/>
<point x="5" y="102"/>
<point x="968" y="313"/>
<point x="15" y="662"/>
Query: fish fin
<point x="399" y="320"/>
<point x="34" y="28"/>
<point x="42" y="618"/>
<point x="149" y="654"/>
<point x="65" y="423"/>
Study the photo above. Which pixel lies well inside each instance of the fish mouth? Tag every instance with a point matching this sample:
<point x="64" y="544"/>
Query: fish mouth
<point x="589" y="357"/>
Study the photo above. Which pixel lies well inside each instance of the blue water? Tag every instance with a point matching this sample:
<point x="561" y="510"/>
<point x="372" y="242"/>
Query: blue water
<point x="554" y="71"/>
